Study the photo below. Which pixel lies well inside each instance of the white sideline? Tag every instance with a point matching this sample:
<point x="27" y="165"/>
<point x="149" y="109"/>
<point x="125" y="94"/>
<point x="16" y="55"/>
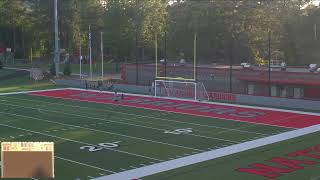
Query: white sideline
<point x="26" y="92"/>
<point x="209" y="102"/>
<point x="209" y="155"/>
<point x="202" y="102"/>
<point x="20" y="69"/>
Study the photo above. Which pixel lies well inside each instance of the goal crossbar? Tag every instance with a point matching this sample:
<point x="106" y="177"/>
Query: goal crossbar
<point x="180" y="89"/>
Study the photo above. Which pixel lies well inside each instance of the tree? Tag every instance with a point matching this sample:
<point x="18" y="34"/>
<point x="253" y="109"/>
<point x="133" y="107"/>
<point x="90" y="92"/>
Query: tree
<point x="67" y="69"/>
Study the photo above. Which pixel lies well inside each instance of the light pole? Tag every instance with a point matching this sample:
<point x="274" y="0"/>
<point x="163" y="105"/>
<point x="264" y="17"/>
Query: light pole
<point x="101" y="48"/>
<point x="56" y="39"/>
<point x="90" y="50"/>
<point x="137" y="43"/>
<point x="269" y="69"/>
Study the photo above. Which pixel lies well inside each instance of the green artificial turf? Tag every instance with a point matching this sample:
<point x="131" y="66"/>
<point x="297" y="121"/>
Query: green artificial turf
<point x="139" y="133"/>
<point x="226" y="167"/>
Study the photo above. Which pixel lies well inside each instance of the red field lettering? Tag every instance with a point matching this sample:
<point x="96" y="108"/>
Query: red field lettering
<point x="306" y="153"/>
<point x="265" y="170"/>
<point x="317" y="148"/>
<point x="291" y="163"/>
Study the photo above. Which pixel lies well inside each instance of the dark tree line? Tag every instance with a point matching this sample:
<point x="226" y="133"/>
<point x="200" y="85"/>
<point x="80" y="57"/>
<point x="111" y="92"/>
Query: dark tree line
<point x="130" y="28"/>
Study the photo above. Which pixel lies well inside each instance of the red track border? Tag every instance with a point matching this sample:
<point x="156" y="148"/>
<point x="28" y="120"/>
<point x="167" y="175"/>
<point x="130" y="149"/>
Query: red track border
<point x="234" y="113"/>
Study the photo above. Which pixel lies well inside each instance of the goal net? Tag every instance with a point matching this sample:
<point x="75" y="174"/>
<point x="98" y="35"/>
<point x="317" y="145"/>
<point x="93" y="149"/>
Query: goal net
<point x="36" y="74"/>
<point x="179" y="89"/>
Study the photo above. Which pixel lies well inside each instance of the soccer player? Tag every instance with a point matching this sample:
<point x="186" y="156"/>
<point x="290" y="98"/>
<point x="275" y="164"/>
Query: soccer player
<point x="115" y="98"/>
<point x="100" y="85"/>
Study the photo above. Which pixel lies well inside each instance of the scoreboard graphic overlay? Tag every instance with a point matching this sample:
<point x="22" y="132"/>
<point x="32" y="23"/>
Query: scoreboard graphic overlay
<point x="27" y="159"/>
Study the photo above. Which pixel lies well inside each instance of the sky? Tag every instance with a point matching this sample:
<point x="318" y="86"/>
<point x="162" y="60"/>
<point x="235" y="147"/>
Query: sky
<point x="314" y="2"/>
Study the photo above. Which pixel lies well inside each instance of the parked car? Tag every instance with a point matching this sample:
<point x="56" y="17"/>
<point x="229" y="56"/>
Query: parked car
<point x="246" y="65"/>
<point x="313" y="67"/>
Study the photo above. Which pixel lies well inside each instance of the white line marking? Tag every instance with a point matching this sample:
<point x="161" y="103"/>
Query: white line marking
<point x="90" y="177"/>
<point x="132" y="137"/>
<point x="156" y="109"/>
<point x="80" y="142"/>
<point x="205" y="156"/>
<point x="119" y="122"/>
<point x="84" y="164"/>
<point x="135" y="115"/>
<point x="315" y="178"/>
<point x="28" y="92"/>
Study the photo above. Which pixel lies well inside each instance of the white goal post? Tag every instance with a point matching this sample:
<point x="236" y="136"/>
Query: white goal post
<point x="180" y="89"/>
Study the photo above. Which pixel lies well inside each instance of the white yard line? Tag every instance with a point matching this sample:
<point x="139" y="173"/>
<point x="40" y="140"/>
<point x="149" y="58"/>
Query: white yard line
<point x="118" y="122"/>
<point x="210" y="155"/>
<point x="138" y="116"/>
<point x="106" y="132"/>
<point x="80" y="142"/>
<point x="84" y="164"/>
<point x="253" y="125"/>
<point x="315" y="178"/>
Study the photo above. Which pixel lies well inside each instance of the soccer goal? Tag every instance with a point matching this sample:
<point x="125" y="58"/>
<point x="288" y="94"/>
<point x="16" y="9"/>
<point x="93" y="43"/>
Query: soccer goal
<point x="180" y="89"/>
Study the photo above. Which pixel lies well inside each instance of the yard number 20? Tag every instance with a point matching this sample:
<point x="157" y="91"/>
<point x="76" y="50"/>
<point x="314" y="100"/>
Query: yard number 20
<point x="100" y="146"/>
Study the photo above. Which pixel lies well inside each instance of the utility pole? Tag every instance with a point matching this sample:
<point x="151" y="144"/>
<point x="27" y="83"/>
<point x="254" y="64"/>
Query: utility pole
<point x="165" y="53"/>
<point x="231" y="64"/>
<point x="80" y="61"/>
<point x="269" y="49"/>
<point x="101" y="46"/>
<point x="90" y="50"/>
<point x="56" y="39"/>
<point x="137" y="43"/>
<point x="231" y="51"/>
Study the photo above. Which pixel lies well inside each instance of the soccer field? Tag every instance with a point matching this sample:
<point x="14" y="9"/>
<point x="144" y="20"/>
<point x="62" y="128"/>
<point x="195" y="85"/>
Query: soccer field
<point x="97" y="137"/>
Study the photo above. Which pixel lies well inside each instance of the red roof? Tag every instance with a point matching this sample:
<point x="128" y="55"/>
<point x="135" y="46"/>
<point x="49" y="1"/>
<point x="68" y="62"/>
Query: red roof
<point x="2" y="49"/>
<point x="281" y="81"/>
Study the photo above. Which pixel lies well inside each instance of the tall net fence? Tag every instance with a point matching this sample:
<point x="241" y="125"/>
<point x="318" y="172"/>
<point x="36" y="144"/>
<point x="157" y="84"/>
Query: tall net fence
<point x="215" y="79"/>
<point x="176" y="55"/>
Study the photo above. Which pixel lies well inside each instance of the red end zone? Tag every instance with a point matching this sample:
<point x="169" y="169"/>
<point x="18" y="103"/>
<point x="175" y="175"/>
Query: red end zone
<point x="257" y="116"/>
